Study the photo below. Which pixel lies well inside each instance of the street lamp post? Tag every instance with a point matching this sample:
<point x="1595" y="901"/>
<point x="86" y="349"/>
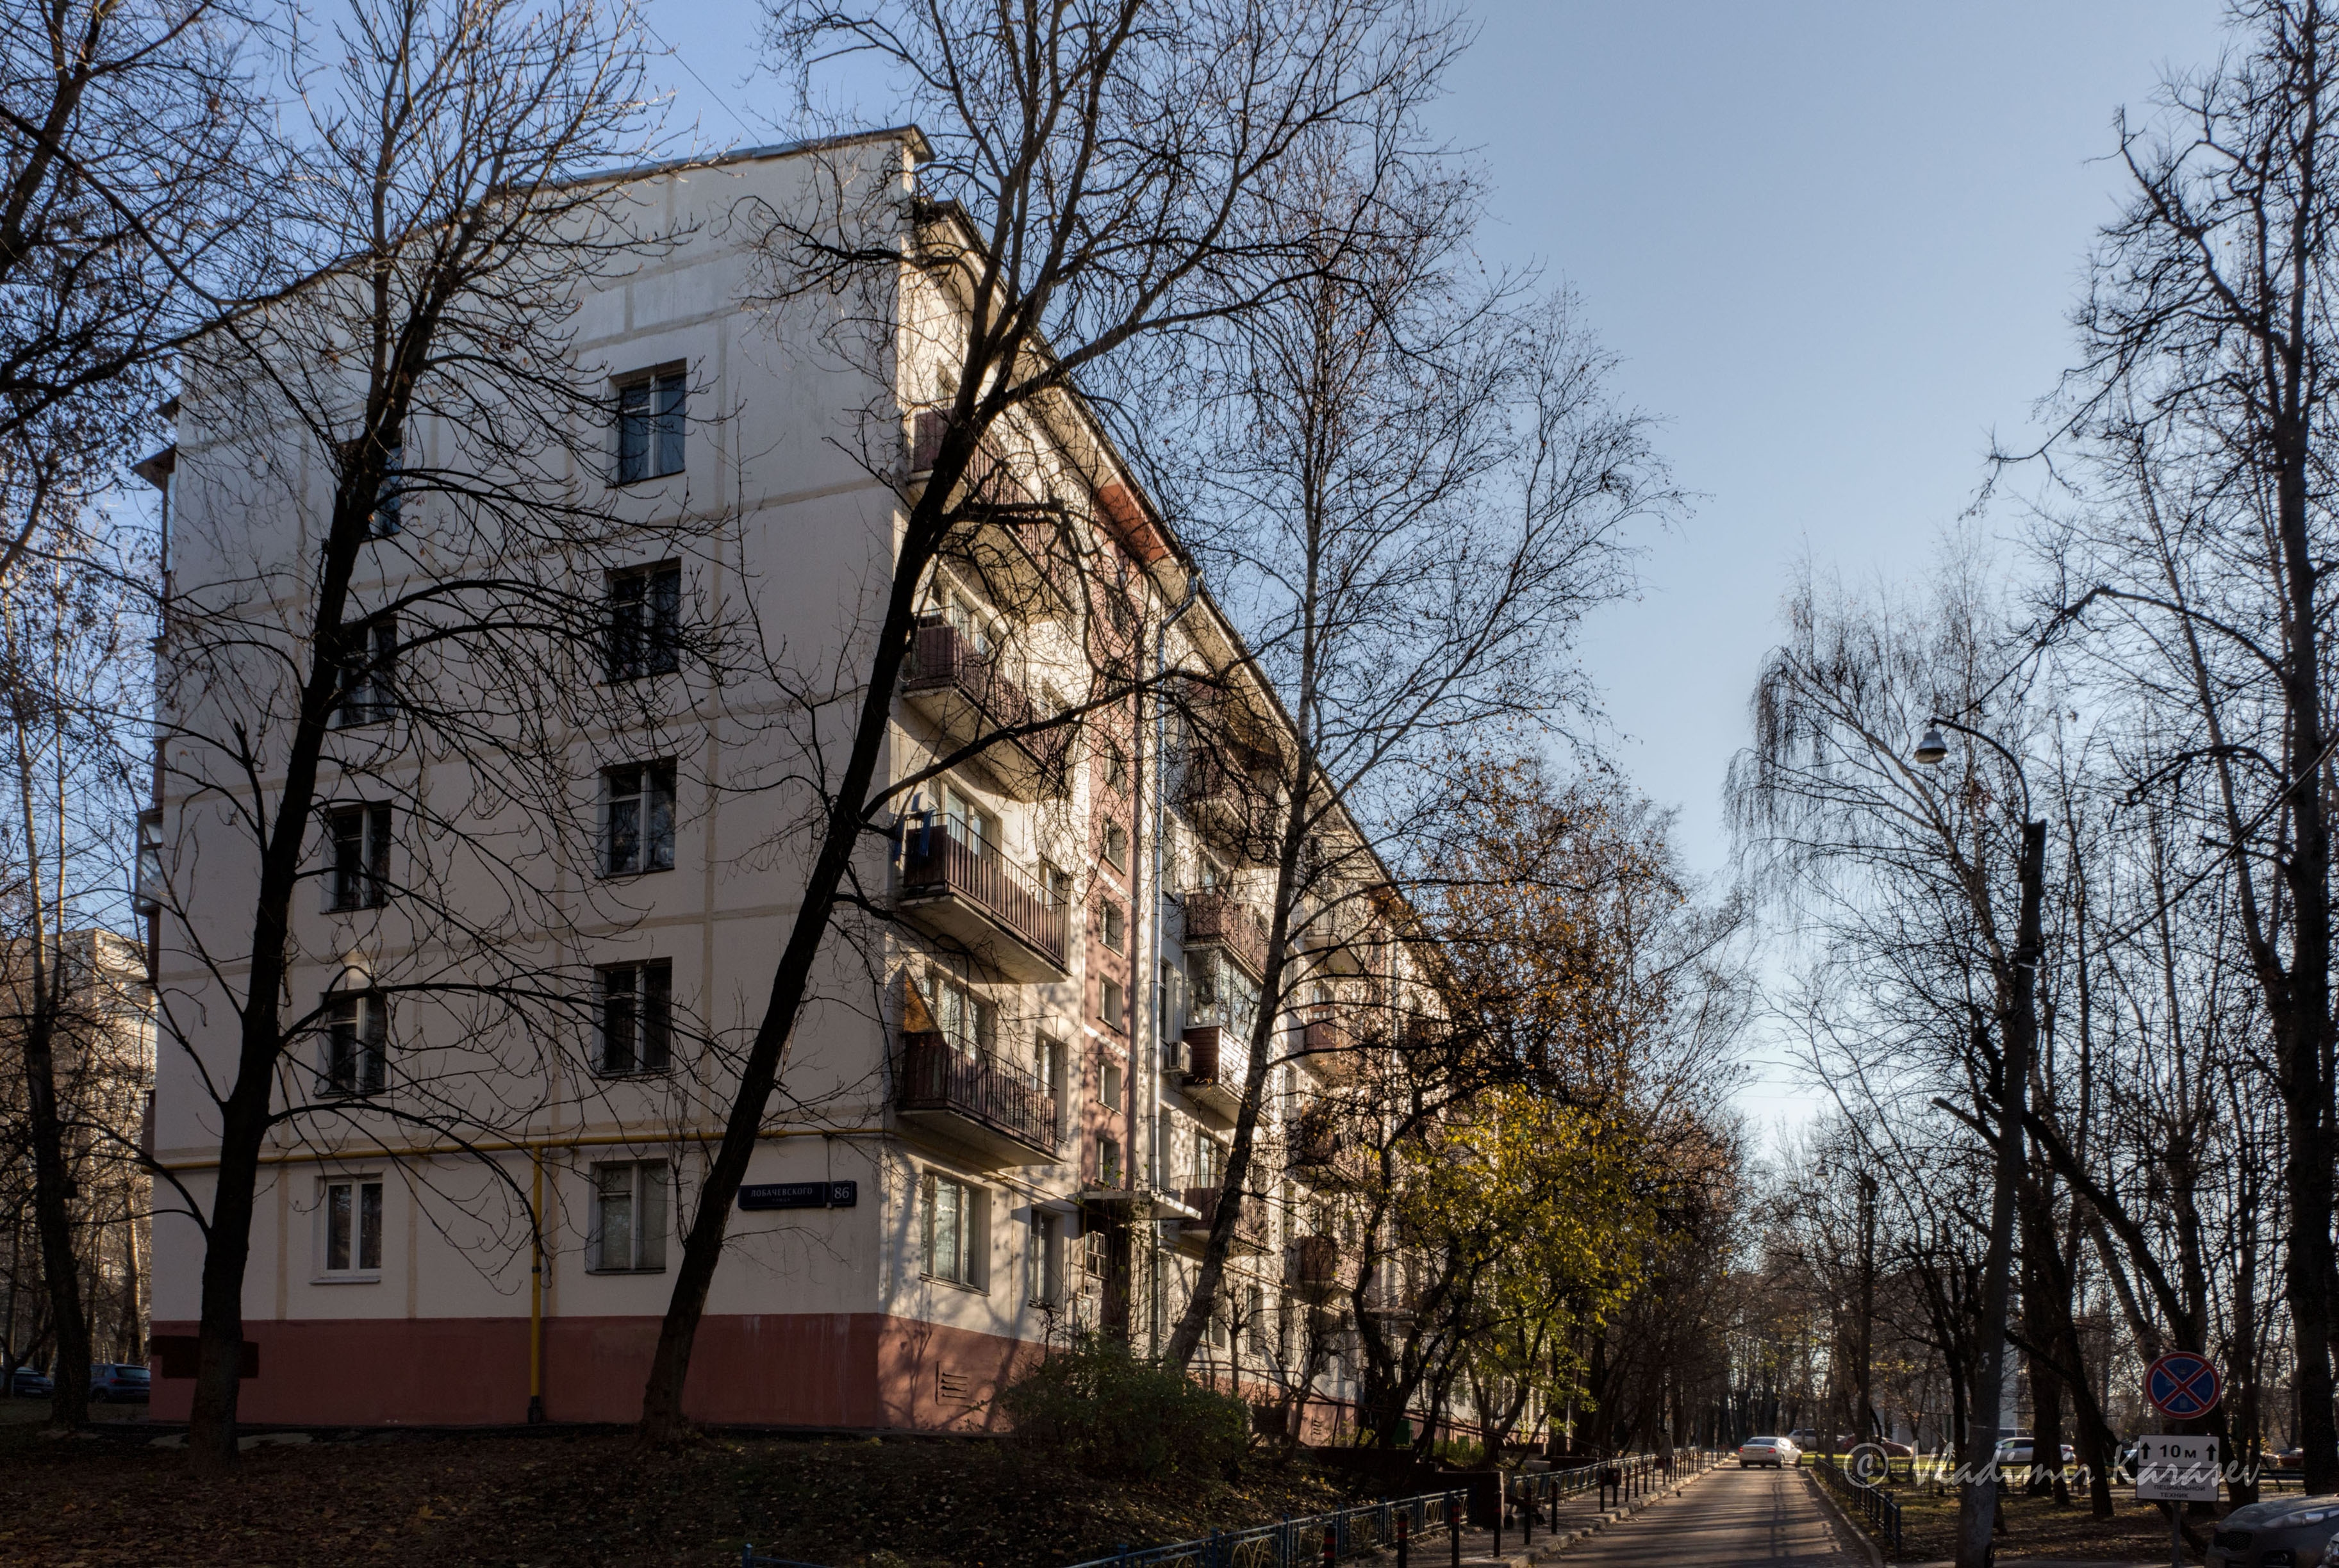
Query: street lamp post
<point x="2018" y="1029"/>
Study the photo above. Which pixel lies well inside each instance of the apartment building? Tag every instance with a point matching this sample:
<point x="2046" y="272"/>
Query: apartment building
<point x="1005" y="1113"/>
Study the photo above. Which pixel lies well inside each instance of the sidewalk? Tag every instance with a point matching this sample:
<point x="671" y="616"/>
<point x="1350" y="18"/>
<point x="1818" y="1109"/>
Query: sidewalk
<point x="1577" y="1517"/>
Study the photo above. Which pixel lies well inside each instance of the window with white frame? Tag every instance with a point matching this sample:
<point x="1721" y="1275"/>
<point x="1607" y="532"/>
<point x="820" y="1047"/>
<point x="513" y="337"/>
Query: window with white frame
<point x="636" y="1002"/>
<point x="356" y="1052"/>
<point x="1116" y="846"/>
<point x="350" y="1227"/>
<point x="1109" y="1005"/>
<point x="1255" y="1321"/>
<point x="967" y="1020"/>
<point x="967" y="822"/>
<point x="1044" y="1259"/>
<point x="1112" y="1086"/>
<point x="366" y="659"/>
<point x="1115" y="924"/>
<point x="653" y="413"/>
<point x="358" y="874"/>
<point x="645" y="622"/>
<point x="637" y="818"/>
<point x="630" y="1213"/>
<point x="953" y="1230"/>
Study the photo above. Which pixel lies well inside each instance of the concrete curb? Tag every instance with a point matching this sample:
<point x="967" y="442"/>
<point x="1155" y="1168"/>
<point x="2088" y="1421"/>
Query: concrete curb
<point x="1846" y="1525"/>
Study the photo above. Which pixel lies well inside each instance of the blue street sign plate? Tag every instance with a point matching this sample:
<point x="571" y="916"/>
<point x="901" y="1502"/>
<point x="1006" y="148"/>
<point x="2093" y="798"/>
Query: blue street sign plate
<point x="2182" y="1384"/>
<point x="800" y="1195"/>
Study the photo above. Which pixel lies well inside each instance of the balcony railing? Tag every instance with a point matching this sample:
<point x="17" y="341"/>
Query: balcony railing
<point x="993" y="1094"/>
<point x="1321" y="1154"/>
<point x="1311" y="1268"/>
<point x="934" y="863"/>
<point x="1230" y="793"/>
<point x="1250" y="1227"/>
<point x="964" y="690"/>
<point x="1213" y="915"/>
<point x="1216" y="1067"/>
<point x="1328" y="1049"/>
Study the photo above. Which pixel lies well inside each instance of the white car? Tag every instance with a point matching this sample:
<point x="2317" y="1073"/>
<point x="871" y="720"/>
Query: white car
<point x="1778" y="1453"/>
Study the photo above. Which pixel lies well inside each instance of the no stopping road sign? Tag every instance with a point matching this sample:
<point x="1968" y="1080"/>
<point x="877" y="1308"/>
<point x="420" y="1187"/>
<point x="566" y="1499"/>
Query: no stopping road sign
<point x="2182" y="1384"/>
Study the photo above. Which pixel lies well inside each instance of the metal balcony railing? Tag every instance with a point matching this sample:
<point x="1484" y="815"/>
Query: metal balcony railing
<point x="944" y="661"/>
<point x="933" y="861"/>
<point x="1216" y="915"/>
<point x="980" y="1087"/>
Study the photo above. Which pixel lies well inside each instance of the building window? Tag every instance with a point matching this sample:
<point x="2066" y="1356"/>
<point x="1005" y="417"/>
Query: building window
<point x="1116" y="768"/>
<point x="1048" y="1066"/>
<point x="1112" y="1086"/>
<point x="652" y="411"/>
<point x="1115" y="925"/>
<point x="628" y="1234"/>
<point x="358" y="877"/>
<point x="637" y="818"/>
<point x="1255" y="1321"/>
<point x="1044" y="1259"/>
<point x="635" y="1004"/>
<point x="645" y="622"/>
<point x="384" y="520"/>
<point x="356" y="1036"/>
<point x="968" y="1022"/>
<point x="1219" y="992"/>
<point x="1109" y="1161"/>
<point x="352" y="1226"/>
<point x="367" y="659"/>
<point x="1116" y="846"/>
<point x="970" y="825"/>
<point x="952" y="1212"/>
<point x="1109" y="1004"/>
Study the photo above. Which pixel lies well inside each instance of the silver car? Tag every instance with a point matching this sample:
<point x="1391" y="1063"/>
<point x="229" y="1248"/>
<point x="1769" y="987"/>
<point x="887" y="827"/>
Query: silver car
<point x="2288" y="1532"/>
<point x="1778" y="1453"/>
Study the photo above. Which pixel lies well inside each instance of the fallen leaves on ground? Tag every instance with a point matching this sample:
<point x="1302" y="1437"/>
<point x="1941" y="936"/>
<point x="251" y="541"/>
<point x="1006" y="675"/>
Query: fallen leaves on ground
<point x="392" y="1500"/>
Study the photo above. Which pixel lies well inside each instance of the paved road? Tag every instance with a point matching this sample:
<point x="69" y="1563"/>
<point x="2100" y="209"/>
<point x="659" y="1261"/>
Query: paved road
<point x="1730" y="1517"/>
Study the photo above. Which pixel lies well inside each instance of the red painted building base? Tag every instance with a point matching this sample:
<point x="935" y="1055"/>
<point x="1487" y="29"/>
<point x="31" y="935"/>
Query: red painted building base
<point x="860" y="1370"/>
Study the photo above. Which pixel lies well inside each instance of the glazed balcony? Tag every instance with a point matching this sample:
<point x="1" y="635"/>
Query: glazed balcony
<point x="982" y="904"/>
<point x="1215" y="1068"/>
<point x="976" y="1100"/>
<point x="1250" y="1222"/>
<point x="1215" y="918"/>
<point x="1311" y="1268"/>
<point x="960" y="688"/>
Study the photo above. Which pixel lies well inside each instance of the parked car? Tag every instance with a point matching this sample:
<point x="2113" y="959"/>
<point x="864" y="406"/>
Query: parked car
<point x="2288" y="1529"/>
<point x="2017" y="1451"/>
<point x="31" y="1383"/>
<point x="1804" y="1438"/>
<point x="113" y="1380"/>
<point x="1778" y="1453"/>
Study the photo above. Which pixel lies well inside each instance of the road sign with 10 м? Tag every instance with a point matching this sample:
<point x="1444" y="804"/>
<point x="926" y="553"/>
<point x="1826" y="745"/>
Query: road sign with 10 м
<point x="2177" y="1469"/>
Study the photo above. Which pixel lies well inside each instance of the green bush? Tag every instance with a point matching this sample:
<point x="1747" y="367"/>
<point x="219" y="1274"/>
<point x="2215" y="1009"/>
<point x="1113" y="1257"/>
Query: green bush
<point x="1105" y="1412"/>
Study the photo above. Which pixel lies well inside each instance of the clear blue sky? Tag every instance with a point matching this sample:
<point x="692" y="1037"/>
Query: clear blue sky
<point x="1834" y="243"/>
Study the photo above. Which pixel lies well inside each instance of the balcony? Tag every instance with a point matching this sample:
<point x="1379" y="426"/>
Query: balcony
<point x="982" y="904"/>
<point x="1215" y="918"/>
<point x="1215" y="1068"/>
<point x="1323" y="1157"/>
<point x="1250" y="1222"/>
<point x="1311" y="1268"/>
<point x="976" y="1100"/>
<point x="960" y="687"/>
<point x="1329" y="1050"/>
<point x="1230" y="793"/>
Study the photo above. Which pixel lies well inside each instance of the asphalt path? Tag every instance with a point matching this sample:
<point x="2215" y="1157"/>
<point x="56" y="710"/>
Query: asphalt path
<point x="1732" y="1516"/>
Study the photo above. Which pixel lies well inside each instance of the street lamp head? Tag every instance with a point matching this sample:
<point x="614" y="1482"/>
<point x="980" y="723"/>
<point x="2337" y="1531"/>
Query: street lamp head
<point x="1932" y="748"/>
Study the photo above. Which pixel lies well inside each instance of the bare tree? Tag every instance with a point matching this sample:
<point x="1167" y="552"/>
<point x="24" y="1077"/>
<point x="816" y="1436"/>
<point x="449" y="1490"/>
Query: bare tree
<point x="1089" y="177"/>
<point x="396" y="541"/>
<point x="70" y="632"/>
<point x="1411" y="487"/>
<point x="2201" y="414"/>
